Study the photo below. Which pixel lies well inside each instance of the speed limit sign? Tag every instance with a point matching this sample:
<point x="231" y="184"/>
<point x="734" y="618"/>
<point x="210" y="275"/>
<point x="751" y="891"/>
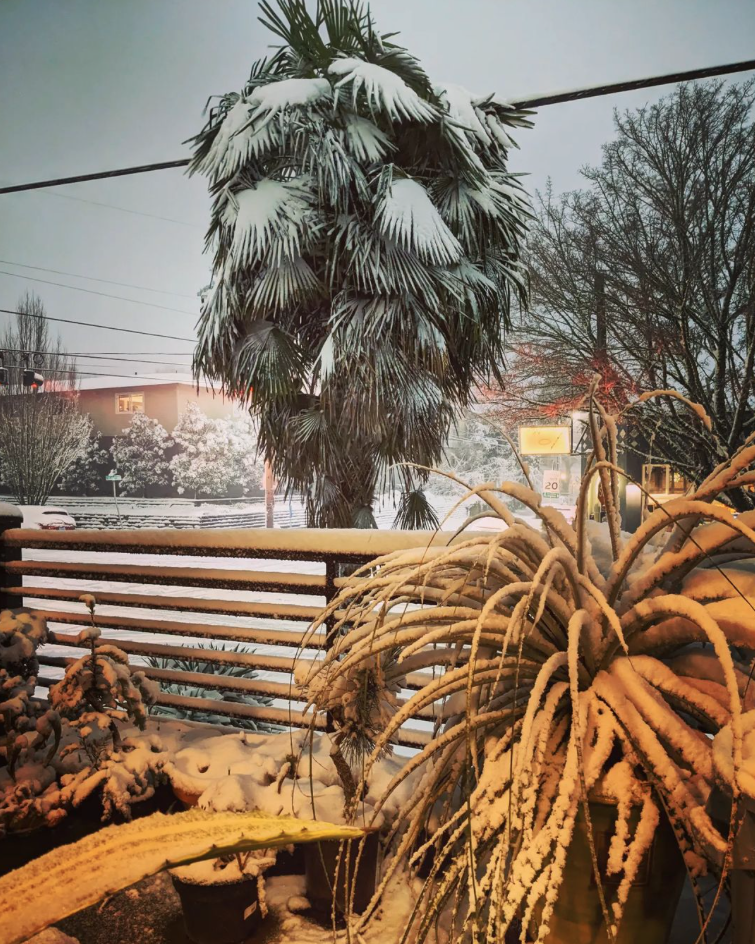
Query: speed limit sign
<point x="551" y="483"/>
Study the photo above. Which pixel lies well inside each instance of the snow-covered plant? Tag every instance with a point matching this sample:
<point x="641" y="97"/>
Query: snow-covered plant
<point x="214" y="454"/>
<point x="555" y="682"/>
<point x="97" y="689"/>
<point x="75" y="876"/>
<point x="366" y="234"/>
<point x="86" y="474"/>
<point x="139" y="455"/>
<point x="360" y="702"/>
<point x="25" y="725"/>
<point x="204" y="667"/>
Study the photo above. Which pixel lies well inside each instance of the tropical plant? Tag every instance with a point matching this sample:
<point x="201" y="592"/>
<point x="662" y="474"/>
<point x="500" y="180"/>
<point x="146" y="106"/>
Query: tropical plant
<point x="75" y="876"/>
<point x="554" y="679"/>
<point x="139" y="455"/>
<point x="366" y="236"/>
<point x="204" y="667"/>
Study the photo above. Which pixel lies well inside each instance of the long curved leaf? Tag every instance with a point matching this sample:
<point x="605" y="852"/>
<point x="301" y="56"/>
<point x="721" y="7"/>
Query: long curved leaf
<point x="78" y="875"/>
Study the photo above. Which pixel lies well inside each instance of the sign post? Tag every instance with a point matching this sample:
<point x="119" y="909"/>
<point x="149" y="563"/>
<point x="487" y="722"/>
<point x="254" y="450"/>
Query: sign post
<point x="114" y="477"/>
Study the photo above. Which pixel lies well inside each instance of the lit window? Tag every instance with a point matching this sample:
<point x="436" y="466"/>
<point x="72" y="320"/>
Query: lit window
<point x="130" y="403"/>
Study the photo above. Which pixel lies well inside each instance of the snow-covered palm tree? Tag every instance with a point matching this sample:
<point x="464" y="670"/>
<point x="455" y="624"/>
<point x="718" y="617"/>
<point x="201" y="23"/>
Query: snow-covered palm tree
<point x="366" y="236"/>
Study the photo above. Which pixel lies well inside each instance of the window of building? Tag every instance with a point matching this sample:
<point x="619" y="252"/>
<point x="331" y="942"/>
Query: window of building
<point x="129" y="403"/>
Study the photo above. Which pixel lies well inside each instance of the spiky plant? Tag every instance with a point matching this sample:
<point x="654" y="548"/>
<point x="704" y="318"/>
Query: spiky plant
<point x="554" y="681"/>
<point x="366" y="236"/>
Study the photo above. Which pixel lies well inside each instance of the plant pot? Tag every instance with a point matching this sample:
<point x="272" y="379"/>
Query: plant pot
<point x="742" y="875"/>
<point x="219" y="914"/>
<point x="289" y="863"/>
<point x="186" y="797"/>
<point x="320" y="871"/>
<point x="649" y="912"/>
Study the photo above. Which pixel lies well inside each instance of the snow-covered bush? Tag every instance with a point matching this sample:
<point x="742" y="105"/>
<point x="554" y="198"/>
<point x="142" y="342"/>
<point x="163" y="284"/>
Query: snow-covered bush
<point x="197" y="691"/>
<point x="97" y="689"/>
<point x="86" y="474"/>
<point x="57" y="757"/>
<point x="215" y="454"/>
<point x="25" y="725"/>
<point x="139" y="455"/>
<point x="557" y="682"/>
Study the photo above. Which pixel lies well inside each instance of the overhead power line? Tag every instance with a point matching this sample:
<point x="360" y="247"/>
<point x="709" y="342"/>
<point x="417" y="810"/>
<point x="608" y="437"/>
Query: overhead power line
<point x="533" y="101"/>
<point x="96" y="357"/>
<point x="91" y="324"/>
<point x="91" y="278"/>
<point x="112" y="206"/>
<point x="91" y="291"/>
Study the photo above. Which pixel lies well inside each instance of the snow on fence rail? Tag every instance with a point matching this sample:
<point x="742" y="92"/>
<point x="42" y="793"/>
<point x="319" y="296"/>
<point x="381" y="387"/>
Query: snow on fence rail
<point x="161" y="593"/>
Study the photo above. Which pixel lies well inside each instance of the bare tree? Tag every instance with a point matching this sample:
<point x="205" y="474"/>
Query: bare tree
<point x="42" y="431"/>
<point x="646" y="277"/>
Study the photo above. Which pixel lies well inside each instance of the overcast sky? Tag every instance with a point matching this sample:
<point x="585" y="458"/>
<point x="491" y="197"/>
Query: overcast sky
<point x="90" y="85"/>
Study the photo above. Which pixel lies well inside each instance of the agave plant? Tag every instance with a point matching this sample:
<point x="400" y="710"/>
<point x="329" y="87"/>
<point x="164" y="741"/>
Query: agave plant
<point x="366" y="236"/>
<point x="553" y="681"/>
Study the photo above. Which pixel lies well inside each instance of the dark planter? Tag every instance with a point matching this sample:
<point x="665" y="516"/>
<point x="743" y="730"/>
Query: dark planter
<point x="289" y="863"/>
<point x="19" y="848"/>
<point x="322" y="882"/>
<point x="742" y="875"/>
<point x="219" y="914"/>
<point x="651" y="905"/>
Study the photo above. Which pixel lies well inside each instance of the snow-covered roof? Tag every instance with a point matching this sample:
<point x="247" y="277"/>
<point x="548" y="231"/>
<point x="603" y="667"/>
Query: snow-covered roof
<point x="151" y="380"/>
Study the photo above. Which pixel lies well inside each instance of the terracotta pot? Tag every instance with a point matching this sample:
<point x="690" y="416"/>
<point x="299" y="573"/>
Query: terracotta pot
<point x="652" y="901"/>
<point x="320" y="870"/>
<point x="219" y="914"/>
<point x="186" y="797"/>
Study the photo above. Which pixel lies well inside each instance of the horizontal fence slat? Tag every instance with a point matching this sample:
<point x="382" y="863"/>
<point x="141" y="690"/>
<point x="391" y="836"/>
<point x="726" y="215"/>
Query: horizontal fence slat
<point x="252" y="660"/>
<point x="264" y="713"/>
<point x="287" y="611"/>
<point x="173" y="576"/>
<point x="338" y="544"/>
<point x="215" y="682"/>
<point x="253" y="636"/>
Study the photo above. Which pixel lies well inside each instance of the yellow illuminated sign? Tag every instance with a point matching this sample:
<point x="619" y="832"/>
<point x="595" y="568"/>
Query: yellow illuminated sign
<point x="545" y="440"/>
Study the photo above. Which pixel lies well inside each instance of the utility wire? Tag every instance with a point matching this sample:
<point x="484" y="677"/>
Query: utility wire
<point x="71" y="354"/>
<point x="91" y="278"/>
<point x="112" y="206"/>
<point x="91" y="291"/>
<point x="533" y="101"/>
<point x="91" y="324"/>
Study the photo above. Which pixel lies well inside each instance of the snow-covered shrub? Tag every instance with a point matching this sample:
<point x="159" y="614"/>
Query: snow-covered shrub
<point x="215" y="454"/>
<point x="139" y="455"/>
<point x="188" y="690"/>
<point x="557" y="682"/>
<point x="97" y="689"/>
<point x="28" y="731"/>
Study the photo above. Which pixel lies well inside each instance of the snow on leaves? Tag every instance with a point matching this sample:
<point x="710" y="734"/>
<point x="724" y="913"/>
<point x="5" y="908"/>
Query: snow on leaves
<point x="406" y="214"/>
<point x="382" y="89"/>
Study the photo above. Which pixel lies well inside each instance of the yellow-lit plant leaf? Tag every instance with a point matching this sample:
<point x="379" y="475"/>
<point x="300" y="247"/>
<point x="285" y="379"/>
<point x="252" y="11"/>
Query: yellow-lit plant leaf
<point x="75" y="876"/>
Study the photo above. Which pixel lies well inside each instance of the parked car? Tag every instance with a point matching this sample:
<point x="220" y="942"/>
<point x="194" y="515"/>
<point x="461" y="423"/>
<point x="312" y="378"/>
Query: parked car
<point x="46" y="518"/>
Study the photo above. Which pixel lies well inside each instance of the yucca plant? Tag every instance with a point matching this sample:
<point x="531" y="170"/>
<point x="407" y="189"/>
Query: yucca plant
<point x="366" y="235"/>
<point x="553" y="681"/>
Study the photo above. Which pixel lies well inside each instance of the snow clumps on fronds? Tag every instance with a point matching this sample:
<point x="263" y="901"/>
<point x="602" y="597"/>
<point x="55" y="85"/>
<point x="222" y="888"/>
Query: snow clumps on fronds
<point x="366" y="234"/>
<point x="554" y="682"/>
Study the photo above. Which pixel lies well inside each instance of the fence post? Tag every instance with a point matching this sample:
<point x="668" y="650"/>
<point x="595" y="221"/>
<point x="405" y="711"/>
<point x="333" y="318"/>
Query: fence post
<point x="331" y="572"/>
<point x="10" y="517"/>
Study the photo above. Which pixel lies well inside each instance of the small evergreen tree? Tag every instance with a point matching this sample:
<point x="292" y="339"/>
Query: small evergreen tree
<point x="85" y="474"/>
<point x="140" y="455"/>
<point x="216" y="454"/>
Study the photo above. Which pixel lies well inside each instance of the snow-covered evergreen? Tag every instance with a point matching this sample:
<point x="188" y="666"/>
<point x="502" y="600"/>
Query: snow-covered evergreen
<point x="85" y="475"/>
<point x="366" y="235"/>
<point x="140" y="455"/>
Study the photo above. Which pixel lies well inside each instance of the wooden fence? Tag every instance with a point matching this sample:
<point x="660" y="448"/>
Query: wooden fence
<point x="163" y="593"/>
